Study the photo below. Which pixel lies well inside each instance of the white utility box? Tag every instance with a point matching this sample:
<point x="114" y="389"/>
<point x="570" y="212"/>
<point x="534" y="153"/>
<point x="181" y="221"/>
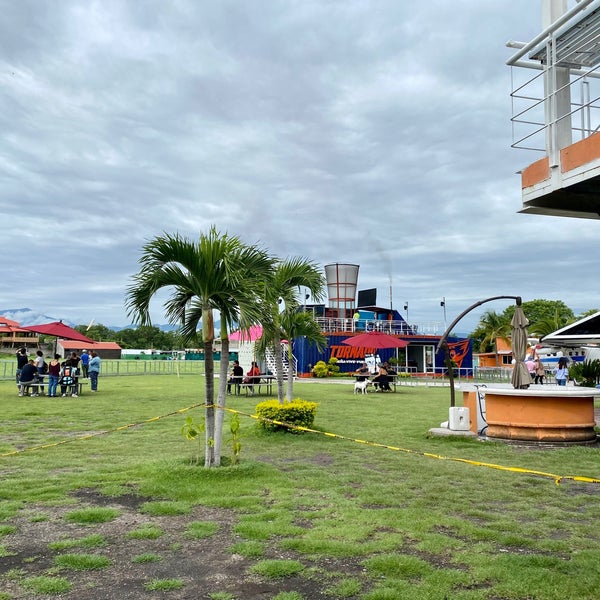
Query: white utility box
<point x="458" y="419"/>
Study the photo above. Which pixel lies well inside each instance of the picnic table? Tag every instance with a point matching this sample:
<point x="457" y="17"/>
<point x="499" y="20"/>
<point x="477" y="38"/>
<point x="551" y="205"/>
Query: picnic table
<point x="263" y="385"/>
<point x="36" y="385"/>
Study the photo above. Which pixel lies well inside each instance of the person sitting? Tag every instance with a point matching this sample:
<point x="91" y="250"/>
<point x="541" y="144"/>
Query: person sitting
<point x="251" y="376"/>
<point x="28" y="376"/>
<point x="237" y="374"/>
<point x="381" y="381"/>
<point x="362" y="373"/>
<point x="69" y="378"/>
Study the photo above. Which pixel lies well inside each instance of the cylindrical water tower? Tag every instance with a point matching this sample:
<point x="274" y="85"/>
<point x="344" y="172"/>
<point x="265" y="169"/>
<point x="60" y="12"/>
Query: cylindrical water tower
<point x="341" y="288"/>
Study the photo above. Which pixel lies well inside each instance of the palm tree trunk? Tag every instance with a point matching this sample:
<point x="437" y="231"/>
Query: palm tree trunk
<point x="278" y="367"/>
<point x="222" y="397"/>
<point x="290" y="375"/>
<point x="209" y="371"/>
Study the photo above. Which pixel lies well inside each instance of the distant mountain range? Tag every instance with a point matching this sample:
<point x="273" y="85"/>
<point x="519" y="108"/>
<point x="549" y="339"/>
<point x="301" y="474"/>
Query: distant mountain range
<point x="27" y="317"/>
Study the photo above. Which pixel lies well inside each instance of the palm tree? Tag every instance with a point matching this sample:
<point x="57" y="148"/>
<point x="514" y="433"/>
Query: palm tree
<point x="294" y="325"/>
<point x="493" y="326"/>
<point x="288" y="277"/>
<point x="549" y="325"/>
<point x="217" y="273"/>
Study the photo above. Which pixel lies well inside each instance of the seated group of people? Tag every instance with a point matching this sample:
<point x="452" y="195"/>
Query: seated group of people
<point x="237" y="376"/>
<point x="33" y="371"/>
<point x="381" y="380"/>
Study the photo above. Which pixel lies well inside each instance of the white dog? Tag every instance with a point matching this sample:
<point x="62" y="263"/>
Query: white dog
<point x="361" y="386"/>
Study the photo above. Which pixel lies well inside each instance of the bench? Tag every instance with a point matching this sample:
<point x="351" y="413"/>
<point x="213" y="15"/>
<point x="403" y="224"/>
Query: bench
<point x="36" y="385"/>
<point x="255" y="389"/>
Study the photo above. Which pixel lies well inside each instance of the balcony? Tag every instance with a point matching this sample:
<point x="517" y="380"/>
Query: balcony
<point x="348" y="325"/>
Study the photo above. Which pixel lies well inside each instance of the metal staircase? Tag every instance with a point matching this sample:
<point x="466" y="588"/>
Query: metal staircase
<point x="272" y="366"/>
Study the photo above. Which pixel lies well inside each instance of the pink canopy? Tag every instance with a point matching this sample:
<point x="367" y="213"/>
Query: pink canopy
<point x="253" y="334"/>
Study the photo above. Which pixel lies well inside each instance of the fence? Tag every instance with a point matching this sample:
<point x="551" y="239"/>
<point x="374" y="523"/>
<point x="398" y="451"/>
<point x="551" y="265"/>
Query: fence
<point x="128" y="367"/>
<point x="115" y="368"/>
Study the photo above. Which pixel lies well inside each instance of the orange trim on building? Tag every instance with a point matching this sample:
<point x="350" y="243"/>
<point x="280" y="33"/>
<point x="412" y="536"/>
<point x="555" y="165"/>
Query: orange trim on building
<point x="580" y="153"/>
<point x="535" y="173"/>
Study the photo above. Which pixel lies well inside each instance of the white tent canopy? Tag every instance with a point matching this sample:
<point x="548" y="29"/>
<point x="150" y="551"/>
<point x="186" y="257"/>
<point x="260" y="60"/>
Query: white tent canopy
<point x="584" y="331"/>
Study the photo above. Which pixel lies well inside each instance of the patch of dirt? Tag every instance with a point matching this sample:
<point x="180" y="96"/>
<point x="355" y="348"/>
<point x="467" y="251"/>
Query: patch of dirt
<point x="206" y="566"/>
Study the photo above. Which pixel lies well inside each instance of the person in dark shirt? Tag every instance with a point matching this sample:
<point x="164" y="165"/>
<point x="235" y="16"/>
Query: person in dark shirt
<point x="362" y="373"/>
<point x="21" y="362"/>
<point x="237" y="374"/>
<point x="28" y="375"/>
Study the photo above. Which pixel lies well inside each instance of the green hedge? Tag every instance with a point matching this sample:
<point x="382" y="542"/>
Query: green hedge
<point x="297" y="412"/>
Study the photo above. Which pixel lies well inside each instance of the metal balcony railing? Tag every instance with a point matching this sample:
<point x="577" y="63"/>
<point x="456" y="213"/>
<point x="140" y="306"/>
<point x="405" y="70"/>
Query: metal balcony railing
<point x="348" y="325"/>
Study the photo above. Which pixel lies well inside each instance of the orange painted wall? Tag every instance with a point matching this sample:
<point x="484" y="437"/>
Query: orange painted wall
<point x="580" y="153"/>
<point x="536" y="172"/>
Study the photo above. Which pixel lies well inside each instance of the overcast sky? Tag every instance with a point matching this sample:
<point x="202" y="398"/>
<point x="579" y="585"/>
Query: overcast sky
<point x="368" y="132"/>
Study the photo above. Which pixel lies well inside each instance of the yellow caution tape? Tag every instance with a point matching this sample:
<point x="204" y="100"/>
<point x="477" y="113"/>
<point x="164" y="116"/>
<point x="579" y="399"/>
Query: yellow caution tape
<point x="557" y="478"/>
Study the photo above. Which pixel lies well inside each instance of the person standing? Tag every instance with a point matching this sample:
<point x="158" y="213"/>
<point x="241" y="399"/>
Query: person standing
<point x="540" y="372"/>
<point x="40" y="365"/>
<point x="530" y="364"/>
<point x="94" y="371"/>
<point x="21" y="362"/>
<point x="53" y="375"/>
<point x="85" y="361"/>
<point x="561" y="372"/>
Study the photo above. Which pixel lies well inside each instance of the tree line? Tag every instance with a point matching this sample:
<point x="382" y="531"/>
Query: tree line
<point x="545" y="317"/>
<point x="142" y="336"/>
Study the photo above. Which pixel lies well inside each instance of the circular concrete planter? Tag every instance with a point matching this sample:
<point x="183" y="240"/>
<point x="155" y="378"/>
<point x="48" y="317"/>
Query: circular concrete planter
<point x="541" y="414"/>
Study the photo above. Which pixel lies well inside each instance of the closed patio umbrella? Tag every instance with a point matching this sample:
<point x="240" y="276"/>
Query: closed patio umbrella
<point x="520" y="379"/>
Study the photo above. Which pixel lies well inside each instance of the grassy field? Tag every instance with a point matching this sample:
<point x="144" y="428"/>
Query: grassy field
<point x="304" y="515"/>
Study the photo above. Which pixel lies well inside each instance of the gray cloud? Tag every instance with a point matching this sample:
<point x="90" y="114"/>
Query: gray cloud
<point x="371" y="133"/>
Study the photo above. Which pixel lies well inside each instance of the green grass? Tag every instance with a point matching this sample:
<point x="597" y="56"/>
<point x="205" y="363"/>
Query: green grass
<point x="7" y="529"/>
<point x="47" y="585"/>
<point x="201" y="529"/>
<point x="92" y="516"/>
<point x="146" y="532"/>
<point x="249" y="549"/>
<point x="277" y="569"/>
<point x="164" y="585"/>
<point x="82" y="562"/>
<point x="165" y="508"/>
<point x="147" y="557"/>
<point x="396" y="523"/>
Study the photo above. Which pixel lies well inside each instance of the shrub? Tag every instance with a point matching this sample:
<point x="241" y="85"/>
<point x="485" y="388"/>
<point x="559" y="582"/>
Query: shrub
<point x="333" y="366"/>
<point x="325" y="369"/>
<point x="297" y="412"/>
<point x="586" y="373"/>
<point x="320" y="369"/>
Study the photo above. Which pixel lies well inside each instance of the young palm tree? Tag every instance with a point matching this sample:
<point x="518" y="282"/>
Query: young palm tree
<point x="217" y="273"/>
<point x="296" y="324"/>
<point x="289" y="276"/>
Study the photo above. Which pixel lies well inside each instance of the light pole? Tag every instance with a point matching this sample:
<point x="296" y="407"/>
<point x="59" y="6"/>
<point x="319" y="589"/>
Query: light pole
<point x="443" y="305"/>
<point x="406" y="309"/>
